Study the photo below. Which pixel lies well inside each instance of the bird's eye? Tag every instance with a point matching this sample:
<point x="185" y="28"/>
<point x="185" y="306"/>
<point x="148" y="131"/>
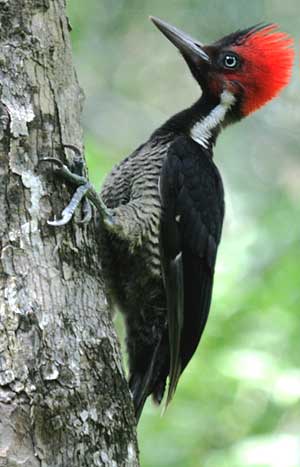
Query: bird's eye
<point x="230" y="61"/>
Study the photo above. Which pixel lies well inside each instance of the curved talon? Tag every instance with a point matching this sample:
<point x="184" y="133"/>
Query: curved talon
<point x="59" y="222"/>
<point x="54" y="160"/>
<point x="66" y="215"/>
<point x="77" y="164"/>
<point x="73" y="148"/>
<point x="84" y="188"/>
<point x="69" y="210"/>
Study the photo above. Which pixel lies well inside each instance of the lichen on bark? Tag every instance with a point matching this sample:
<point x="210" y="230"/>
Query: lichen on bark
<point x="64" y="400"/>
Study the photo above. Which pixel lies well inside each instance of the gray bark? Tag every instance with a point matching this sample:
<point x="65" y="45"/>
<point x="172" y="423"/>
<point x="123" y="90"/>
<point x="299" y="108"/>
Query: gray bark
<point x="64" y="400"/>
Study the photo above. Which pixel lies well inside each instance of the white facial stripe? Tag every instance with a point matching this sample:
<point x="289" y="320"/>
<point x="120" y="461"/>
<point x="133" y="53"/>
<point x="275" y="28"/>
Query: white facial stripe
<point x="201" y="131"/>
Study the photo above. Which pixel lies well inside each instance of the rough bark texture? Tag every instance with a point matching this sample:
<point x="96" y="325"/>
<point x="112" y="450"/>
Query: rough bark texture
<point x="64" y="400"/>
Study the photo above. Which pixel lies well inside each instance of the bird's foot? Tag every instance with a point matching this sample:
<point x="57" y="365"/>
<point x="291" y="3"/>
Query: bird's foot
<point x="84" y="192"/>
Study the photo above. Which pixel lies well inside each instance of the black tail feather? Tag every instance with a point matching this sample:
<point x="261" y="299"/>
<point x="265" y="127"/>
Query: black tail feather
<point x="142" y="385"/>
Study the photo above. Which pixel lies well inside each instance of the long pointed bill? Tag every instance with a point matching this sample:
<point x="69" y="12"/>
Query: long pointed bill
<point x="186" y="44"/>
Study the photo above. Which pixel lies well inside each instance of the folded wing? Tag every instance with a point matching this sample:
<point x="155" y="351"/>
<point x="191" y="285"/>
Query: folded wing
<point x="192" y="215"/>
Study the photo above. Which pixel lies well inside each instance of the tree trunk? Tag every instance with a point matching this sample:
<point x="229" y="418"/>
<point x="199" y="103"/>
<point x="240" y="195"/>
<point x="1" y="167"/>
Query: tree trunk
<point x="64" y="400"/>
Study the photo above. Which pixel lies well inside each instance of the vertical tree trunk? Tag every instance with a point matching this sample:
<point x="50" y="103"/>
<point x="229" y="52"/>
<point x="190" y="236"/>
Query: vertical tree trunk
<point x="64" y="400"/>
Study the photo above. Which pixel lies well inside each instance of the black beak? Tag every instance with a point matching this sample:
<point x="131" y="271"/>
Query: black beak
<point x="188" y="46"/>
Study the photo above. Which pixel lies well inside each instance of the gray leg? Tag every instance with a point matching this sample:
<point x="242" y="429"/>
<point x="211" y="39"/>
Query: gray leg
<point x="84" y="188"/>
<point x="69" y="210"/>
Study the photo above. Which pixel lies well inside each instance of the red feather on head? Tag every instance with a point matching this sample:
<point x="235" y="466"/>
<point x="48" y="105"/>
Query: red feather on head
<point x="268" y="57"/>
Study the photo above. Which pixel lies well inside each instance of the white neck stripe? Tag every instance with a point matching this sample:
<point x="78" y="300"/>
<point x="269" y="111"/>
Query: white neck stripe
<point x="201" y="131"/>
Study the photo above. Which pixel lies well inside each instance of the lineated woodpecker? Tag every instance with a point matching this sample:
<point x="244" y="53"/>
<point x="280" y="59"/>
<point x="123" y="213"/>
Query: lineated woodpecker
<point x="161" y="209"/>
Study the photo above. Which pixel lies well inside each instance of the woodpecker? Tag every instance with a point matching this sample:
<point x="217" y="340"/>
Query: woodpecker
<point x="160" y="211"/>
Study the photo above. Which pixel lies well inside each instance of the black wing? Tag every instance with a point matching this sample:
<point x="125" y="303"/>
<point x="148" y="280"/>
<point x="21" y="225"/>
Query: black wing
<point x="192" y="216"/>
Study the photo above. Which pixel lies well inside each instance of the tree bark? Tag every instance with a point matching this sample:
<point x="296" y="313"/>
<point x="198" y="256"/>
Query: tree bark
<point x="64" y="400"/>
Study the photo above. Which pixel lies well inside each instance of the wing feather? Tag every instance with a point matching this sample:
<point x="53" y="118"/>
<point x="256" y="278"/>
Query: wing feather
<point x="192" y="215"/>
<point x="175" y="300"/>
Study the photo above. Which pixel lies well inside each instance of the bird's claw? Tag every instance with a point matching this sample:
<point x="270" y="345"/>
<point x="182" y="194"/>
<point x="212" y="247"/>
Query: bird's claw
<point x="83" y="187"/>
<point x="54" y="160"/>
<point x="65" y="172"/>
<point x="69" y="210"/>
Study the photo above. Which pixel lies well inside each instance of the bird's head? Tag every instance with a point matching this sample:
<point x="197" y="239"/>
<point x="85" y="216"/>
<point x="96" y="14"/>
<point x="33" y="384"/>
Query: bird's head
<point x="252" y="64"/>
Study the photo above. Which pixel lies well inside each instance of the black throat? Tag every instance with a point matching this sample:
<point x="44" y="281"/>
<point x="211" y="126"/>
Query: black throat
<point x="184" y="121"/>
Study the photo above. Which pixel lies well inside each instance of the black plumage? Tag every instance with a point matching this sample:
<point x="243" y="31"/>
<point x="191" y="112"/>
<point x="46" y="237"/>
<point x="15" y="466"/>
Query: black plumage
<point x="168" y="197"/>
<point x="191" y="223"/>
<point x="158" y="234"/>
<point x="161" y="213"/>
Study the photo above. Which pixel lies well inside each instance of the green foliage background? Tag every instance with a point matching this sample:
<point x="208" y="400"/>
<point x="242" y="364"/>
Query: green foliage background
<point x="237" y="404"/>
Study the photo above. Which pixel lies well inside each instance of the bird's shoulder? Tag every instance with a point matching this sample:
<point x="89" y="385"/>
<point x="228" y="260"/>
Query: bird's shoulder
<point x="192" y="190"/>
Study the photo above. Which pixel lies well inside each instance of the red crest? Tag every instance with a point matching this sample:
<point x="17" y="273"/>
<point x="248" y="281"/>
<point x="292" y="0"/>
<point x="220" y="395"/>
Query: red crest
<point x="268" y="57"/>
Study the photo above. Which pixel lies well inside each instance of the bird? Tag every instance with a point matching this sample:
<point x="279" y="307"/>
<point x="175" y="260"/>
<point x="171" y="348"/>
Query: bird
<point x="160" y="211"/>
